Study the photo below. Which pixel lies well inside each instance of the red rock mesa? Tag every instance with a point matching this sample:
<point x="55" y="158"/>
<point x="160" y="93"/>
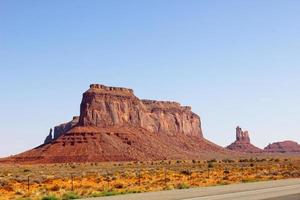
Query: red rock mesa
<point x="115" y="125"/>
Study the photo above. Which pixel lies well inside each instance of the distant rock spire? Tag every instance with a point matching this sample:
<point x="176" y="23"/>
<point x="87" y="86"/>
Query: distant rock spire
<point x="242" y="143"/>
<point x="242" y="135"/>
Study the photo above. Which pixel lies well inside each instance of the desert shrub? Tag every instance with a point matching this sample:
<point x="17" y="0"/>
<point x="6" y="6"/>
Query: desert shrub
<point x="186" y="172"/>
<point x="50" y="198"/>
<point x="168" y="187"/>
<point x="226" y="171"/>
<point x="295" y="174"/>
<point x="286" y="174"/>
<point x="96" y="194"/>
<point x="19" y="193"/>
<point x="248" y="180"/>
<point x="210" y="165"/>
<point x="227" y="161"/>
<point x="55" y="188"/>
<point x="258" y="177"/>
<point x="5" y="185"/>
<point x="70" y="195"/>
<point x="182" y="186"/>
<point x="212" y="160"/>
<point x="167" y="179"/>
<point x="130" y="192"/>
<point x="118" y="185"/>
<point x="109" y="193"/>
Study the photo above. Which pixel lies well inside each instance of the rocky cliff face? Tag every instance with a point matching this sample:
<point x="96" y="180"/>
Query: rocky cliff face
<point x="242" y="143"/>
<point x="49" y="138"/>
<point x="110" y="106"/>
<point x="283" y="147"/>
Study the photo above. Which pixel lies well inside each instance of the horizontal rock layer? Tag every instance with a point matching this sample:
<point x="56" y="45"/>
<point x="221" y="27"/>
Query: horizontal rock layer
<point x="94" y="144"/>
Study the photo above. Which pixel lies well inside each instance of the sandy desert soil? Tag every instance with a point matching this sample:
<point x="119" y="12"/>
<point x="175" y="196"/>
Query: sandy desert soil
<point x="75" y="180"/>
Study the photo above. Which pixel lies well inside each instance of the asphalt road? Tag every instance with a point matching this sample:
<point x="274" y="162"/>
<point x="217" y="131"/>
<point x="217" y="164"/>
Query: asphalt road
<point x="267" y="190"/>
<point x="289" y="197"/>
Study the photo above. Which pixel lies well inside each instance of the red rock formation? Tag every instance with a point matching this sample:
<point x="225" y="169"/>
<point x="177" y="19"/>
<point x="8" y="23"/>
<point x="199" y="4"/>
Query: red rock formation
<point x="109" y="106"/>
<point x="114" y="125"/>
<point x="283" y="147"/>
<point x="49" y="138"/>
<point x="242" y="143"/>
<point x="63" y="128"/>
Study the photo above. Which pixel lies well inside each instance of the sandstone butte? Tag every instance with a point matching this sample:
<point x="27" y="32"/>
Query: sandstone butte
<point x="115" y="125"/>
<point x="283" y="147"/>
<point x="242" y="143"/>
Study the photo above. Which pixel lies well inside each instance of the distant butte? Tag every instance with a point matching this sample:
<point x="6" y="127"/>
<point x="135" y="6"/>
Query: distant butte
<point x="283" y="147"/>
<point x="242" y="143"/>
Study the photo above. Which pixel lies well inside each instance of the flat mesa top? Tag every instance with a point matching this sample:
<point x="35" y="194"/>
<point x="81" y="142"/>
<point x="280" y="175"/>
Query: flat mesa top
<point x="120" y="91"/>
<point x="98" y="88"/>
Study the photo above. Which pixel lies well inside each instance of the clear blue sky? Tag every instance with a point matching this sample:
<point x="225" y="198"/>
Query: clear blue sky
<point x="235" y="62"/>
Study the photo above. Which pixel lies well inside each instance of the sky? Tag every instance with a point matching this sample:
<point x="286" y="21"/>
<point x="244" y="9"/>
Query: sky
<point x="235" y="62"/>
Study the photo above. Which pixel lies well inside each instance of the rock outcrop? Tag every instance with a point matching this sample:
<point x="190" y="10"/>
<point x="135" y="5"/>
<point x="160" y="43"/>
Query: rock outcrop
<point x="283" y="147"/>
<point x="63" y="128"/>
<point x="49" y="138"/>
<point x="242" y="136"/>
<point x="242" y="143"/>
<point x="115" y="125"/>
<point x="110" y="106"/>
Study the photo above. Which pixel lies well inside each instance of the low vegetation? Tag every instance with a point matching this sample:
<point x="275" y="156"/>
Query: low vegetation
<point x="75" y="181"/>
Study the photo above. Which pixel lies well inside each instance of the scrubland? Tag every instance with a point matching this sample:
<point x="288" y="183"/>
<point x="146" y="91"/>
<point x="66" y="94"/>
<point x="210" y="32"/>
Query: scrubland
<point x="79" y="180"/>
